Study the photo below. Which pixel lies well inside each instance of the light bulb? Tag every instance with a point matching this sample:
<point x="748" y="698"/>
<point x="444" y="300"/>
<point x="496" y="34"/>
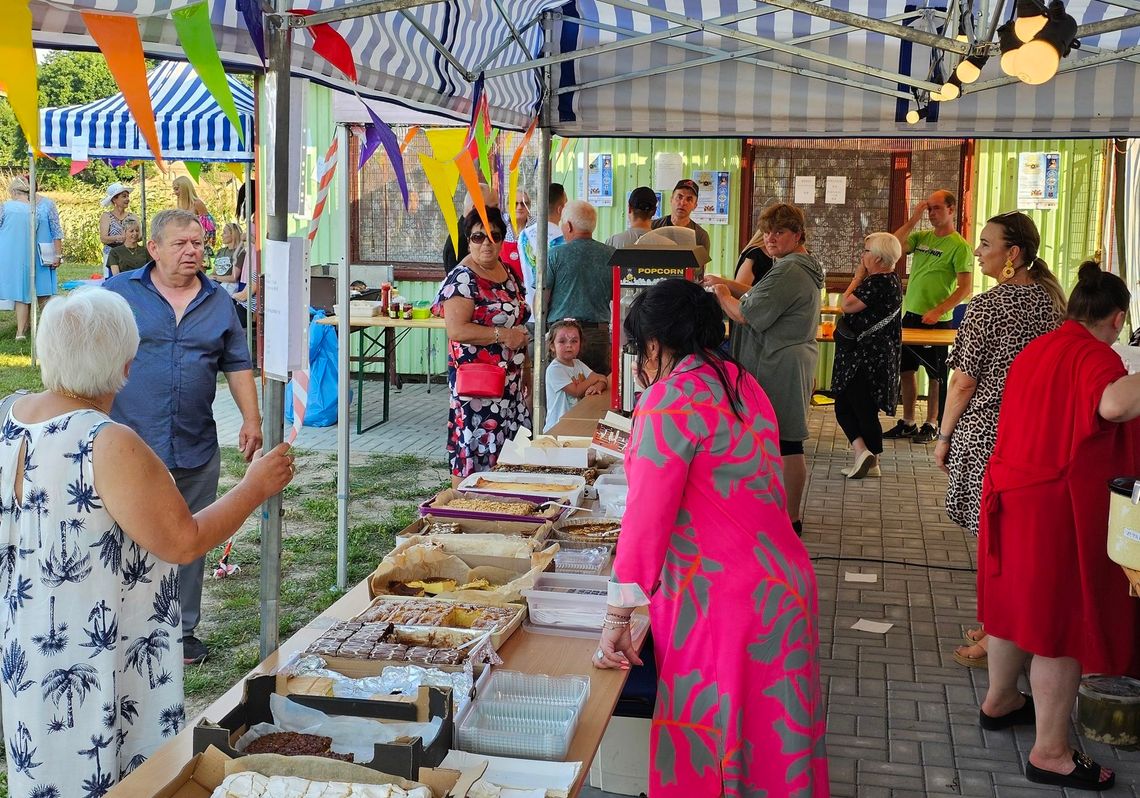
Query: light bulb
<point x="949" y="92"/>
<point x="1037" y="62"/>
<point x="936" y="96"/>
<point x="1009" y="63"/>
<point x="968" y="71"/>
<point x="962" y="37"/>
<point x="1028" y="27"/>
<point x="912" y="117"/>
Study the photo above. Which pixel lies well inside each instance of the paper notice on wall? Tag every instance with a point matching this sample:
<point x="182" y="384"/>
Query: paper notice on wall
<point x="1038" y="180"/>
<point x="668" y="168"/>
<point x="712" y="201"/>
<point x="78" y="145"/>
<point x="286" y="307"/>
<point x="835" y="190"/>
<point x="601" y="182"/>
<point x="804" y="190"/>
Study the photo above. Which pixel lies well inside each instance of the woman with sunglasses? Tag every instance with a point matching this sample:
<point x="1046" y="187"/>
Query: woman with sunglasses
<point x="485" y="311"/>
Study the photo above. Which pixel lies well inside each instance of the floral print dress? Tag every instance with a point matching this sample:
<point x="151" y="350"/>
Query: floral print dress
<point x="707" y="544"/>
<point x="92" y="666"/>
<point x="477" y="428"/>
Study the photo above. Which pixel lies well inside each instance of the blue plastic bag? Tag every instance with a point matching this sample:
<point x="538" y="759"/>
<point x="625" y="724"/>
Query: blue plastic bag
<point x="321" y="410"/>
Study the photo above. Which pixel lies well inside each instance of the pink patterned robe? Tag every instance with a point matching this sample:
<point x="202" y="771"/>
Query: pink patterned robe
<point x="732" y="595"/>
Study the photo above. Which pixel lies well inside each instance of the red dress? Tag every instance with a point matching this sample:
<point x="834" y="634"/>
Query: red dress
<point x="1044" y="578"/>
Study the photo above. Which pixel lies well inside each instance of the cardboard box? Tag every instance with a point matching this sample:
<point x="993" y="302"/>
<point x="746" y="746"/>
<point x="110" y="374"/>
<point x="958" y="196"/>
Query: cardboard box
<point x="359" y="668"/>
<point x="497" y="638"/>
<point x="401" y="758"/>
<point x="199" y="778"/>
<point x="511" y="575"/>
<point x="547" y="450"/>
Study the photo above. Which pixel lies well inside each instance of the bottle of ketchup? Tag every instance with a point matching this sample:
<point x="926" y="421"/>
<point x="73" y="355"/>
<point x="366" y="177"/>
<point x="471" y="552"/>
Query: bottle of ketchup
<point x="385" y="295"/>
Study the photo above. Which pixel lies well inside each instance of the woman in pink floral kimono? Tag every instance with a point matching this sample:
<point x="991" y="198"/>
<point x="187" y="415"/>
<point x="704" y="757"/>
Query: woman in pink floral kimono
<point x="707" y="544"/>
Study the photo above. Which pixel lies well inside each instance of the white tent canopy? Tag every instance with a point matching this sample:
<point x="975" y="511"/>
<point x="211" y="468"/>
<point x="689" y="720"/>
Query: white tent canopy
<point x="689" y="67"/>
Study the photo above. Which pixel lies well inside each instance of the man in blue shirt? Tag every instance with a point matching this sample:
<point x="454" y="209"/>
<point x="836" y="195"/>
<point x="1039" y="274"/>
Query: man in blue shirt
<point x="189" y="332"/>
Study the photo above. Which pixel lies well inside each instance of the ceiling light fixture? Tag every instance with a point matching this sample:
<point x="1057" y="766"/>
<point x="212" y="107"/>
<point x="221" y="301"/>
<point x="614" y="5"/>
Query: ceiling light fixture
<point x="951" y="89"/>
<point x="1031" y="18"/>
<point x="914" y="115"/>
<point x="1009" y="45"/>
<point x="1037" y="60"/>
<point x="970" y="68"/>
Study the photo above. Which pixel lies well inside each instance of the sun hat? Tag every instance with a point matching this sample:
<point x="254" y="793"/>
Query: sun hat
<point x="114" y="190"/>
<point x="688" y="185"/>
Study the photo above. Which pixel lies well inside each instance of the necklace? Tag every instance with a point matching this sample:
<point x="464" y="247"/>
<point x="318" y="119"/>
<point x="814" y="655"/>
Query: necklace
<point x="84" y="399"/>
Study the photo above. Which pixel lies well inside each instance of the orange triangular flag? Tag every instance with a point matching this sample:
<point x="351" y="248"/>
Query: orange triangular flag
<point x="470" y="177"/>
<point x="118" y="37"/>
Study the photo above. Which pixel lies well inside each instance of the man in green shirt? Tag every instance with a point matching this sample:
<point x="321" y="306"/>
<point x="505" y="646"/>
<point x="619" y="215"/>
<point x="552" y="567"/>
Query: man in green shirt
<point x="579" y="283"/>
<point x="941" y="275"/>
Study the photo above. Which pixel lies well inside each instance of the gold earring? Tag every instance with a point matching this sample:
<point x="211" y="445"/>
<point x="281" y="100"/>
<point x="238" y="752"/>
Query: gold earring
<point x="1008" y="271"/>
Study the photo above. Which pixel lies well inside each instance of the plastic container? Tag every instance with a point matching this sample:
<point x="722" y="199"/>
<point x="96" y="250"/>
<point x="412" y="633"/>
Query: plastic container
<point x="509" y="728"/>
<point x="421" y="310"/>
<point x="612" y="491"/>
<point x="537" y="688"/>
<point x="478" y="380"/>
<point x="1108" y="709"/>
<point x="1123" y="524"/>
<point x="573" y="601"/>
<point x="594" y="560"/>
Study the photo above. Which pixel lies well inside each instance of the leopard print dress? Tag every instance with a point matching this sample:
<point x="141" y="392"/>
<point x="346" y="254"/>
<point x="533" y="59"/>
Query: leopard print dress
<point x="997" y="326"/>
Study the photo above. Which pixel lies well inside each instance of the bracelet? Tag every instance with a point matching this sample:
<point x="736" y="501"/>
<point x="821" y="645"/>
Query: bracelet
<point x="612" y="624"/>
<point x="496" y="335"/>
<point x="943" y="438"/>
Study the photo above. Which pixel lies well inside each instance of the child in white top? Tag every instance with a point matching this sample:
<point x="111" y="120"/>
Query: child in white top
<point x="567" y="378"/>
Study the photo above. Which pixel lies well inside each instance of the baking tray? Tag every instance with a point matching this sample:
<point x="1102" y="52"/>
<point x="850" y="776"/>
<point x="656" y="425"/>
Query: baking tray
<point x="498" y="637"/>
<point x="437" y="506"/>
<point x="563" y="529"/>
<point x="572" y="494"/>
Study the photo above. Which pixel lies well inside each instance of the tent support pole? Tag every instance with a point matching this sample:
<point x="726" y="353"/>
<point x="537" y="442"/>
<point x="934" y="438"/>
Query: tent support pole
<point x="142" y="199"/>
<point x="344" y="377"/>
<point x="247" y="211"/>
<point x="273" y="412"/>
<point x="34" y="308"/>
<point x="542" y="245"/>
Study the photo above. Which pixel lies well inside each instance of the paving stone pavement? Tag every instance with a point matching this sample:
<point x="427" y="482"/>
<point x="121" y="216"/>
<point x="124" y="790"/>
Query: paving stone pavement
<point x="902" y="715"/>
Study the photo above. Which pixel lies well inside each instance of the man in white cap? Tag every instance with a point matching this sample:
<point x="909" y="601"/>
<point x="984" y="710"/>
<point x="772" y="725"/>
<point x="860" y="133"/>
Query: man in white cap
<point x="114" y="220"/>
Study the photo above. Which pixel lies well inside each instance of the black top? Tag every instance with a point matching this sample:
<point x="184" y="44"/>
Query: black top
<point x="876" y="357"/>
<point x="761" y="262"/>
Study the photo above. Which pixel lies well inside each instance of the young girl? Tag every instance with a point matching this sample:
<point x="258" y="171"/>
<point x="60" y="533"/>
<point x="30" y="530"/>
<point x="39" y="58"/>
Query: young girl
<point x="567" y="378"/>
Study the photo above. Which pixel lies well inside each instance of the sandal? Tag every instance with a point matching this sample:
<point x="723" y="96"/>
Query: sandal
<point x="1022" y="716"/>
<point x="968" y="636"/>
<point x="1085" y="776"/>
<point x="971" y="662"/>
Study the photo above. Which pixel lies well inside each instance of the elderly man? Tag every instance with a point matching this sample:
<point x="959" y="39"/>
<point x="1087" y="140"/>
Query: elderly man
<point x="682" y="202"/>
<point x="941" y="275"/>
<point x="639" y="212"/>
<point x="579" y="283"/>
<point x="189" y="332"/>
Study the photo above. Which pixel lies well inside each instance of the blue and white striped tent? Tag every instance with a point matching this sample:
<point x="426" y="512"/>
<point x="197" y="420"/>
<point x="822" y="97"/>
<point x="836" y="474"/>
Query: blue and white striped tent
<point x="691" y="67"/>
<point x="190" y="124"/>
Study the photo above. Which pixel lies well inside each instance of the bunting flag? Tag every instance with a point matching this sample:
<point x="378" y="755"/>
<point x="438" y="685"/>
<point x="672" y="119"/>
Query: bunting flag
<point x="447" y="143"/>
<point x="471" y="180"/>
<point x="236" y="169"/>
<point x="194" y="168"/>
<point x="379" y="134"/>
<point x="300" y="383"/>
<point x="251" y="13"/>
<point x="197" y="39"/>
<point x="18" y="70"/>
<point x="326" y="168"/>
<point x="513" y="174"/>
<point x="517" y="157"/>
<point x="330" y="45"/>
<point x="444" y="177"/>
<point x="411" y="134"/>
<point x="77" y="167"/>
<point x="118" y="38"/>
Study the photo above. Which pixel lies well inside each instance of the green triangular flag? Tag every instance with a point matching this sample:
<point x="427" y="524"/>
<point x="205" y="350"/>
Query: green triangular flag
<point x="197" y="39"/>
<point x="194" y="168"/>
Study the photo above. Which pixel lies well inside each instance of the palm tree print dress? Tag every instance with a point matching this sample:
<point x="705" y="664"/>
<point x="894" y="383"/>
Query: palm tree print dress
<point x="707" y="544"/>
<point x="92" y="666"/>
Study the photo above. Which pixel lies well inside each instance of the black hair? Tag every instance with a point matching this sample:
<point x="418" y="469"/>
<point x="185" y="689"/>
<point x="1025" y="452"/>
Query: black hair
<point x="1097" y="294"/>
<point x="684" y="319"/>
<point x="494" y="216"/>
<point x="555" y="194"/>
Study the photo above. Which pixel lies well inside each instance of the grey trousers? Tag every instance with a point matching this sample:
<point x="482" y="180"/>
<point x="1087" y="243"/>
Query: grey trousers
<point x="199" y="487"/>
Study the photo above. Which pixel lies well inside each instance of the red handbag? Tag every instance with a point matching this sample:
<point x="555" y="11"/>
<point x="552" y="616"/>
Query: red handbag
<point x="480" y="381"/>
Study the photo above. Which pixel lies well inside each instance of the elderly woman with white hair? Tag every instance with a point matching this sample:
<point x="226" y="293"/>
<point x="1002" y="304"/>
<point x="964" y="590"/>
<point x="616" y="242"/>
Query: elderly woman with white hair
<point x="92" y="671"/>
<point x="15" y="243"/>
<point x="868" y="345"/>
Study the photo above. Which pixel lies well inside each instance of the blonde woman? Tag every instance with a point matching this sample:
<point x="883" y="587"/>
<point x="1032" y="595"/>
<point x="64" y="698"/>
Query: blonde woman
<point x="186" y="199"/>
<point x="229" y="262"/>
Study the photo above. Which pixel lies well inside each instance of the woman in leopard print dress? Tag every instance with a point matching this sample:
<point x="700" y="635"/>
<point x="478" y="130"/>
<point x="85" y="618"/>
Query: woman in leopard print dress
<point x="1027" y="302"/>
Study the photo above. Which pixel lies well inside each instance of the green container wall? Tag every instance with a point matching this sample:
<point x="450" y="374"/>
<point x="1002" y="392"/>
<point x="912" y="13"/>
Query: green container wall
<point x="633" y="167"/>
<point x="1069" y="234"/>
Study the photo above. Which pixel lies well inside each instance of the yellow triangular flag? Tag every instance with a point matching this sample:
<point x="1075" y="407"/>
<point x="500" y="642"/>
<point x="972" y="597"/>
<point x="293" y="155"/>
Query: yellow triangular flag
<point x="446" y="143"/>
<point x="444" y="178"/>
<point x="18" y="70"/>
<point x="512" y="197"/>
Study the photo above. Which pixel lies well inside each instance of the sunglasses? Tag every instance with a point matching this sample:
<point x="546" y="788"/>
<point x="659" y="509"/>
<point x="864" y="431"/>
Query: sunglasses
<point x="479" y="238"/>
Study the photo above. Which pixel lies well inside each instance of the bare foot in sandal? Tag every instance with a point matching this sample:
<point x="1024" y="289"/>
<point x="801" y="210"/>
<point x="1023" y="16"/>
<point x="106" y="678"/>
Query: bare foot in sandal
<point x="974" y="656"/>
<point x="1085" y="774"/>
<point x="974" y="636"/>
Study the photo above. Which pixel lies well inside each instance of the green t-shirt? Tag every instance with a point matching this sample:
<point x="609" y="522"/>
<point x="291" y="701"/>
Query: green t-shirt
<point x="580" y="281"/>
<point x="934" y="268"/>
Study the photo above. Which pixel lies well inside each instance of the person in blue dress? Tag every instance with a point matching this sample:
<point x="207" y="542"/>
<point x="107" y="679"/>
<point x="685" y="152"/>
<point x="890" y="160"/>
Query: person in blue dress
<point x="15" y="243"/>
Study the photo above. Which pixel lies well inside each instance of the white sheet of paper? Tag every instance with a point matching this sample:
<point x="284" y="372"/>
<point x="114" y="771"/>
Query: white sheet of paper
<point x="286" y="307"/>
<point x="79" y="148"/>
<point x="835" y="190"/>
<point x="667" y="171"/>
<point x="805" y="190"/>
<point x="851" y="576"/>
<point x="875" y="627"/>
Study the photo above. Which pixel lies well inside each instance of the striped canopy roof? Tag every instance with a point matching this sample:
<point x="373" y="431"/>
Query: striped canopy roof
<point x="190" y="124"/>
<point x="694" y="67"/>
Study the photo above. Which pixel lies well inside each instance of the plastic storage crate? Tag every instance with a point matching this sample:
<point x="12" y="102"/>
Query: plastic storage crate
<point x="506" y="728"/>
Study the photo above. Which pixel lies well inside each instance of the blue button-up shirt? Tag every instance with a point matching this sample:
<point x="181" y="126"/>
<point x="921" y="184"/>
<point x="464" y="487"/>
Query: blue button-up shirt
<point x="169" y="395"/>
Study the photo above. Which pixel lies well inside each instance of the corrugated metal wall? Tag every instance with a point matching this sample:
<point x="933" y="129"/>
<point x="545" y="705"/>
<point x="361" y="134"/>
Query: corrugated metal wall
<point x="633" y="167"/>
<point x="1069" y="234"/>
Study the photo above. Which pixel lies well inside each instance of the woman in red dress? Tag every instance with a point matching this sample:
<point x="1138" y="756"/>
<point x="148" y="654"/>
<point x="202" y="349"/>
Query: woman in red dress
<point x="1045" y="584"/>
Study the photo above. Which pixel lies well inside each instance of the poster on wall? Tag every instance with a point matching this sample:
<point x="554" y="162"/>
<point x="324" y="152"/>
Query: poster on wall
<point x="667" y="170"/>
<point x="804" y="190"/>
<point x="601" y="180"/>
<point x="712" y="202"/>
<point x="1038" y="180"/>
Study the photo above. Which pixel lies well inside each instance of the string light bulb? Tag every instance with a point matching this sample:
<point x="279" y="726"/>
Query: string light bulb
<point x="970" y="69"/>
<point x="1031" y="18"/>
<point x="950" y="89"/>
<point x="1010" y="46"/>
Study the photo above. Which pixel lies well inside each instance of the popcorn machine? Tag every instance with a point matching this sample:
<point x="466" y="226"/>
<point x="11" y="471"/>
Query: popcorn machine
<point x="635" y="269"/>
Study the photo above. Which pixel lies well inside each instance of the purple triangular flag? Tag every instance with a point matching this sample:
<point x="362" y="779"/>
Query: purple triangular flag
<point x="379" y="133"/>
<point x="478" y="95"/>
<point x="251" y="12"/>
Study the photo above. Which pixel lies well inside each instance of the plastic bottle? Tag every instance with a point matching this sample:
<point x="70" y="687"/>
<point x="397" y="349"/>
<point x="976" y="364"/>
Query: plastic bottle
<point x="385" y="296"/>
